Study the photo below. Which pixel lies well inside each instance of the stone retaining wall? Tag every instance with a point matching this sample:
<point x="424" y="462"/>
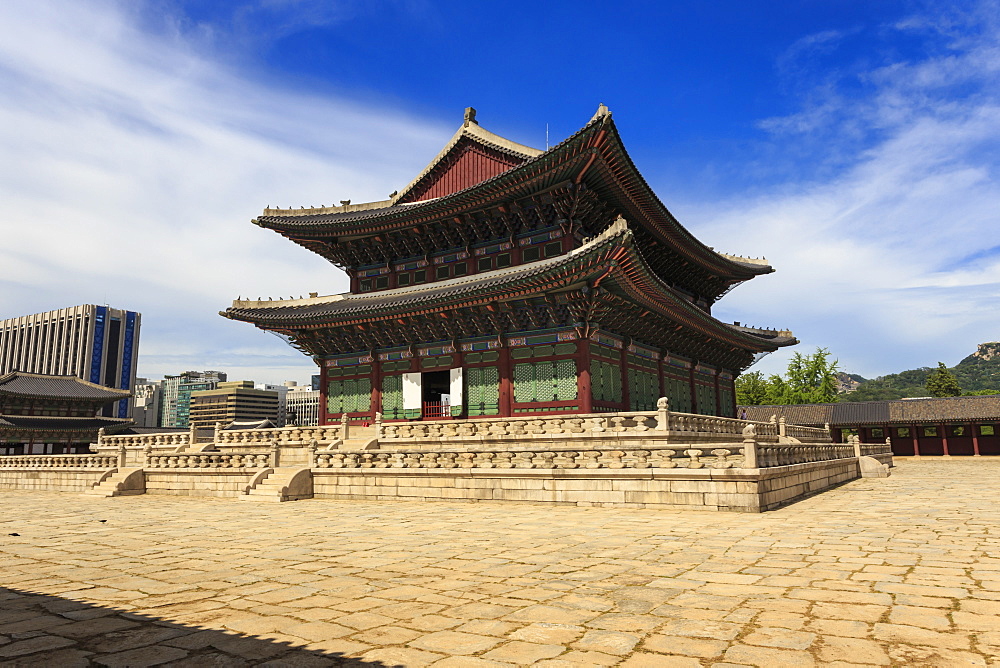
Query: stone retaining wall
<point x="738" y="490"/>
<point x="51" y="480"/>
<point x="198" y="482"/>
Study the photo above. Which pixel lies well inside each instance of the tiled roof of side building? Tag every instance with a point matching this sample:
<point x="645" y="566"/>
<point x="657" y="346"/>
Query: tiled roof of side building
<point x="58" y="423"/>
<point x="801" y="414"/>
<point x="61" y="387"/>
<point x="945" y="409"/>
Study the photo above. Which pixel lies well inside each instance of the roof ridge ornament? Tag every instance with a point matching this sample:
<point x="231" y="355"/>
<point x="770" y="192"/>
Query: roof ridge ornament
<point x="602" y="110"/>
<point x="469" y="117"/>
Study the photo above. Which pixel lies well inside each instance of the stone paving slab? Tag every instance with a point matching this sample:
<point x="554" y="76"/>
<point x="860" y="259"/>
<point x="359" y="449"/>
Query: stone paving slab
<point x="879" y="572"/>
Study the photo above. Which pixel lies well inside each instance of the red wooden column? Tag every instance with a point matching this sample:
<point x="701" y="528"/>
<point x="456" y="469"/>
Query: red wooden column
<point x="718" y="397"/>
<point x="322" y="393"/>
<point x="506" y="383"/>
<point x="376" y="379"/>
<point x="916" y="443"/>
<point x="975" y="440"/>
<point x="624" y="372"/>
<point x="944" y="441"/>
<point x="694" y="395"/>
<point x="583" y="383"/>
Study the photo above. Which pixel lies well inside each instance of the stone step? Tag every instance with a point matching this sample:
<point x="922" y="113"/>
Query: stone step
<point x="120" y="482"/>
<point x="281" y="484"/>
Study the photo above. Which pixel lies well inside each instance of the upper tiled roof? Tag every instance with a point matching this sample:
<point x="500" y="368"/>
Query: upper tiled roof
<point x="945" y="409"/>
<point x="57" y="387"/>
<point x="617" y="179"/>
<point x="814" y="415"/>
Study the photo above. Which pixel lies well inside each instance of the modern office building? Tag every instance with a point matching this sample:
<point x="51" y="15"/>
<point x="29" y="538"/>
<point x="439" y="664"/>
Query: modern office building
<point x="98" y="344"/>
<point x="146" y="403"/>
<point x="175" y="404"/>
<point x="233" y="401"/>
<point x="301" y="405"/>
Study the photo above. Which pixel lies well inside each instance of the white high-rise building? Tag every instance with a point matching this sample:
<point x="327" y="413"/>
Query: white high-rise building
<point x="98" y="344"/>
<point x="301" y="405"/>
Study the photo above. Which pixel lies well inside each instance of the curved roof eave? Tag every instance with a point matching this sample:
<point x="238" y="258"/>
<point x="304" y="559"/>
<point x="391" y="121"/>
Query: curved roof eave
<point x="283" y="315"/>
<point x="631" y="184"/>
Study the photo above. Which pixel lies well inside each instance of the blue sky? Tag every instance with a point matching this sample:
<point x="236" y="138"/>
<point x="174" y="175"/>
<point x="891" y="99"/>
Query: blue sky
<point x="853" y="144"/>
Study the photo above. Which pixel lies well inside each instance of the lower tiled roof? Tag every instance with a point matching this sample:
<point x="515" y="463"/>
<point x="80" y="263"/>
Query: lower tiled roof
<point x="899" y="411"/>
<point x="57" y="387"/>
<point x="48" y="423"/>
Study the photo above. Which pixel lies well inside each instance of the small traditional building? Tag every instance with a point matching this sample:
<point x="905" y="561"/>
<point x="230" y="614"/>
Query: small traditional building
<point x="504" y="280"/>
<point x="41" y="414"/>
<point x="916" y="427"/>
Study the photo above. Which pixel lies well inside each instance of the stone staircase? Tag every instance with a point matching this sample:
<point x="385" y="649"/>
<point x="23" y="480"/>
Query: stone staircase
<point x="358" y="438"/>
<point x="280" y="484"/>
<point x="120" y="482"/>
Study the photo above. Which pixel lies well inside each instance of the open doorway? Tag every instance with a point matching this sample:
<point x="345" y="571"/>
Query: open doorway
<point x="436" y="394"/>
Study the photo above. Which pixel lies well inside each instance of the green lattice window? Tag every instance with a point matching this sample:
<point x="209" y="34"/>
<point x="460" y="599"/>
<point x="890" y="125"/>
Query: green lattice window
<point x="545" y="381"/>
<point x="706" y="399"/>
<point x="392" y="397"/>
<point x="643" y="390"/>
<point x="482" y="390"/>
<point x="353" y="395"/>
<point x="726" y="402"/>
<point x="679" y="393"/>
<point x="605" y="381"/>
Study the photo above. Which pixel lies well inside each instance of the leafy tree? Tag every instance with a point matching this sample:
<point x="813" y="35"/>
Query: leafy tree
<point x="810" y="379"/>
<point x="942" y="383"/>
<point x="980" y="393"/>
<point x="752" y="389"/>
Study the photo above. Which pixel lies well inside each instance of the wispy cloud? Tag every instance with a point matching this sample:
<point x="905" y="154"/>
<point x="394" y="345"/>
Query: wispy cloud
<point x="894" y="258"/>
<point x="134" y="164"/>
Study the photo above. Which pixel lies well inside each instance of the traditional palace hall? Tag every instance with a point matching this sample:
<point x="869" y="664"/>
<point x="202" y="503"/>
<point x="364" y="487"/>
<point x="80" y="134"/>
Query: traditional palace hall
<point x="505" y="280"/>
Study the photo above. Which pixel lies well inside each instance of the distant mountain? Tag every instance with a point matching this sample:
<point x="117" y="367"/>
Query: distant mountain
<point x="978" y="371"/>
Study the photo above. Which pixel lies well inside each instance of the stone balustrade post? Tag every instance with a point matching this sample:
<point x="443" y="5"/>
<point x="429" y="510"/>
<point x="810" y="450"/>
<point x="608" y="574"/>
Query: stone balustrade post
<point x="344" y="427"/>
<point x="662" y="414"/>
<point x="378" y="424"/>
<point x="121" y="454"/>
<point x="100" y="435"/>
<point x="217" y="436"/>
<point x="749" y="447"/>
<point x="147" y="453"/>
<point x="782" y="427"/>
<point x="312" y="447"/>
<point x="273" y="455"/>
<point x="856" y="442"/>
<point x="192" y="435"/>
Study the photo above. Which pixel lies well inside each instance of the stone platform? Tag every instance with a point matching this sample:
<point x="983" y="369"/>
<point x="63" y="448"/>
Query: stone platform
<point x="897" y="571"/>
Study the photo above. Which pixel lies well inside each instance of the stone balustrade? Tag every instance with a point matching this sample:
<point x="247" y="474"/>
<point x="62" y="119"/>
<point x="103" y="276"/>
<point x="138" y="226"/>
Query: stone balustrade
<point x="555" y="458"/>
<point x="871" y="449"/>
<point x="660" y="424"/>
<point x="213" y="460"/>
<point x="58" y="461"/>
<point x="771" y="455"/>
<point x="282" y="436"/>
<point x="171" y="439"/>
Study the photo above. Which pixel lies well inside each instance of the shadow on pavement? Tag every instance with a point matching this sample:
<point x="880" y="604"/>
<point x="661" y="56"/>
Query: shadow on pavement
<point x="42" y="630"/>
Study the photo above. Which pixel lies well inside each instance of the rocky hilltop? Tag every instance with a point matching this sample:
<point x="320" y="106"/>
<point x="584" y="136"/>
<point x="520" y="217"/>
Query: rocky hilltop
<point x="979" y="371"/>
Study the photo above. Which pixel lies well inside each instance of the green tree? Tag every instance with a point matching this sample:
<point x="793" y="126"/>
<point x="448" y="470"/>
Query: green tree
<point x="810" y="379"/>
<point x="752" y="389"/>
<point x="942" y="383"/>
<point x="980" y="393"/>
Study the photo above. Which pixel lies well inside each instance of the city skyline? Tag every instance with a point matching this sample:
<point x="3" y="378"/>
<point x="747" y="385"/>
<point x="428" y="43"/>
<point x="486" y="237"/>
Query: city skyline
<point x="850" y="146"/>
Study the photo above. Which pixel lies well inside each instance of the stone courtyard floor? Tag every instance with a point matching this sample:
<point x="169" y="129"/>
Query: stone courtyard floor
<point x="898" y="571"/>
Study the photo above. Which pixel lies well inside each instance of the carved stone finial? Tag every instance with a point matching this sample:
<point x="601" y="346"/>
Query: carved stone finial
<point x="774" y="419"/>
<point x="345" y="202"/>
<point x="663" y="404"/>
<point x="749" y="430"/>
<point x="470" y="117"/>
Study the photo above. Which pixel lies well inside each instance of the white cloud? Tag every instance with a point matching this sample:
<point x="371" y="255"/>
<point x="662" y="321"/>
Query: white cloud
<point x="134" y="164"/>
<point x="893" y="262"/>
